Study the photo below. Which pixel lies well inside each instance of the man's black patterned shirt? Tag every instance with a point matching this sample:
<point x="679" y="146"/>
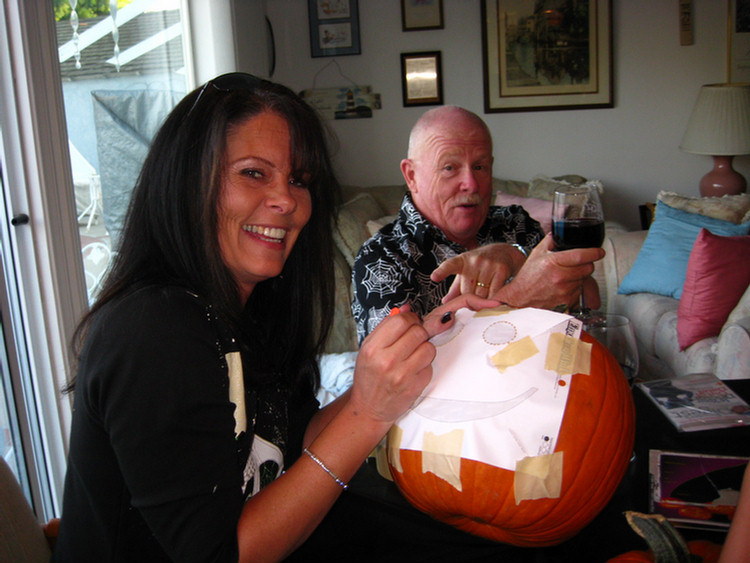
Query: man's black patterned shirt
<point x="393" y="267"/>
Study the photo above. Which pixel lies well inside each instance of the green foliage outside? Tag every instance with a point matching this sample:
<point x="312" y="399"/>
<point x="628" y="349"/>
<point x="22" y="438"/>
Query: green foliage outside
<point x="85" y="8"/>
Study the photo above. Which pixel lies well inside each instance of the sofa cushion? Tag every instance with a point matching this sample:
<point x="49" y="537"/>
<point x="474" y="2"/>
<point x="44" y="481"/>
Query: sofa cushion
<point x="511" y="187"/>
<point x="374" y="225"/>
<point x="733" y="350"/>
<point x="654" y="319"/>
<point x="718" y="273"/>
<point x="699" y="359"/>
<point x="661" y="264"/>
<point x="542" y="187"/>
<point x="645" y="310"/>
<point x="351" y="227"/>
<point x="742" y="310"/>
<point x="732" y="208"/>
<point x="539" y="209"/>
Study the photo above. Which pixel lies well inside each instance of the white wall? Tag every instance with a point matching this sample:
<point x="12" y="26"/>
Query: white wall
<point x="632" y="148"/>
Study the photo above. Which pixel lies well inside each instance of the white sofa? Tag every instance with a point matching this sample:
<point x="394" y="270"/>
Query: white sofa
<point x="654" y="319"/>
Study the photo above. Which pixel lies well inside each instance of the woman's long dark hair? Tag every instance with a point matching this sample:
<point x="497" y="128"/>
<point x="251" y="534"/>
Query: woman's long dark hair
<point x="170" y="231"/>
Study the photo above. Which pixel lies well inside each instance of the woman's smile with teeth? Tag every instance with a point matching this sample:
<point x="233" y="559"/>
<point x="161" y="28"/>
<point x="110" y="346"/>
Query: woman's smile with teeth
<point x="271" y="233"/>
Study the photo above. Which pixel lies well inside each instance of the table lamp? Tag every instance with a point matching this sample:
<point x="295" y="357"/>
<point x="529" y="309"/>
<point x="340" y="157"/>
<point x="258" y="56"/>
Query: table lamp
<point x="720" y="127"/>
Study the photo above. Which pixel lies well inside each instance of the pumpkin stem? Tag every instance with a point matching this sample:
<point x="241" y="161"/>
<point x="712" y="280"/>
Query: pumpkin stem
<point x="665" y="542"/>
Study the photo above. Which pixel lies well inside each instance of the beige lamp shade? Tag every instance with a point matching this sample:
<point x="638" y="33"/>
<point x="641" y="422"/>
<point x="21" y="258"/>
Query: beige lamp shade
<point x="720" y="123"/>
<point x="720" y="126"/>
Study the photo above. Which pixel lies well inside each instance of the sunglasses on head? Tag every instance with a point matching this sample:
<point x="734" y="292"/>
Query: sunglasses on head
<point x="230" y="82"/>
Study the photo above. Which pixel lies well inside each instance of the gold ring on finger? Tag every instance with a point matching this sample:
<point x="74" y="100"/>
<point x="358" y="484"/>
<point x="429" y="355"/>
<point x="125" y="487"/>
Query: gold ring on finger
<point x="480" y="284"/>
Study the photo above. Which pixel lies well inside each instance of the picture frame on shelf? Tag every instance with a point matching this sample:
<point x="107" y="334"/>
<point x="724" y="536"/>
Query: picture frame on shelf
<point x="421" y="78"/>
<point x="537" y="59"/>
<point x="420" y="15"/>
<point x="738" y="47"/>
<point x="334" y="28"/>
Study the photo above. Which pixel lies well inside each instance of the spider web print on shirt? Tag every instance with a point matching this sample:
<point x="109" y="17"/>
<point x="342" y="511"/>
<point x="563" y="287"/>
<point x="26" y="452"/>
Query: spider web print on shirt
<point x="380" y="277"/>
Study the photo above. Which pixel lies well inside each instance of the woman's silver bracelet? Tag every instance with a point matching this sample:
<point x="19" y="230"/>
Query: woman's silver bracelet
<point x="323" y="466"/>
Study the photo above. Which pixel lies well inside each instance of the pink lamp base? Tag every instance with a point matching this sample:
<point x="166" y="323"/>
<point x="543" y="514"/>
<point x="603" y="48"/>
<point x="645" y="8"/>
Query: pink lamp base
<point x="723" y="179"/>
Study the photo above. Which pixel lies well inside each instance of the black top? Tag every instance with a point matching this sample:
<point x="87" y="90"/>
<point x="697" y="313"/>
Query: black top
<point x="160" y="459"/>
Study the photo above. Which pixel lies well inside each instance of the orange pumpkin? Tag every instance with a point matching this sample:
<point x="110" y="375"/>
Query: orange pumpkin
<point x="633" y="557"/>
<point x="707" y="551"/>
<point x="596" y="438"/>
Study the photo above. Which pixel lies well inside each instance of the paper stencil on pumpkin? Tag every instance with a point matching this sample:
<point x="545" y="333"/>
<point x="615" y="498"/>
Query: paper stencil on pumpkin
<point x="472" y="407"/>
<point x="552" y="438"/>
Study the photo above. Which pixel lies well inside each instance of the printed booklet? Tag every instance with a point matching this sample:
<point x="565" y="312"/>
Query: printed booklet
<point x="695" y="490"/>
<point x="697" y="402"/>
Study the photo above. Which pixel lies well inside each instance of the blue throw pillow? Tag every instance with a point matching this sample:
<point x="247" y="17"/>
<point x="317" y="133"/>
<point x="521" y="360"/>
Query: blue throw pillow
<point x="661" y="264"/>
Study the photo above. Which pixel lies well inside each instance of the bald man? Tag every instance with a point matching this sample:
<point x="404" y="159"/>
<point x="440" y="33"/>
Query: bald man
<point x="449" y="240"/>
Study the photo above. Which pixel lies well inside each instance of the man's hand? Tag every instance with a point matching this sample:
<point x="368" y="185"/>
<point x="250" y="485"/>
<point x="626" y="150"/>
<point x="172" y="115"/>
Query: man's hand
<point x="482" y="271"/>
<point x="549" y="279"/>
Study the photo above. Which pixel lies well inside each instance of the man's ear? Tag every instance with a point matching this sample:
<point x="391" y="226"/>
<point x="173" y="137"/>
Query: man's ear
<point x="407" y="170"/>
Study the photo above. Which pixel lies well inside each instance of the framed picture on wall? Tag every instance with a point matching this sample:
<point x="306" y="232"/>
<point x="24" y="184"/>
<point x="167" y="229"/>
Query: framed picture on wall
<point x="421" y="79"/>
<point x="334" y="27"/>
<point x="547" y="54"/>
<point x="417" y="15"/>
<point x="739" y="41"/>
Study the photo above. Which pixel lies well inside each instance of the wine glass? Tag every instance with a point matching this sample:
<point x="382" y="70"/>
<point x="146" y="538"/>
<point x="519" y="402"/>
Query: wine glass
<point x="578" y="222"/>
<point x="616" y="333"/>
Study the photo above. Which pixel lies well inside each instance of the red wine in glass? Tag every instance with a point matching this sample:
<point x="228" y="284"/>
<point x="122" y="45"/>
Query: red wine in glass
<point x="578" y="222"/>
<point x="578" y="233"/>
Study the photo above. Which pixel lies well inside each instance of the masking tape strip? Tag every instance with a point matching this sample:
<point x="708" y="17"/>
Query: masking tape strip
<point x="395" y="435"/>
<point x="567" y="355"/>
<point x="538" y="477"/>
<point x="514" y="353"/>
<point x="494" y="311"/>
<point x="380" y="454"/>
<point x="441" y="455"/>
<point x="237" y="391"/>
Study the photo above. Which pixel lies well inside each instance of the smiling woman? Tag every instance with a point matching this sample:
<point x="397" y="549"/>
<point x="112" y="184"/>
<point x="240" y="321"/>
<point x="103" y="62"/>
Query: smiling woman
<point x="263" y="207"/>
<point x="195" y="389"/>
<point x="208" y="401"/>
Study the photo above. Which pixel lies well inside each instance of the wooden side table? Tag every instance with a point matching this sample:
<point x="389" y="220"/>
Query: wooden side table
<point x="646" y="212"/>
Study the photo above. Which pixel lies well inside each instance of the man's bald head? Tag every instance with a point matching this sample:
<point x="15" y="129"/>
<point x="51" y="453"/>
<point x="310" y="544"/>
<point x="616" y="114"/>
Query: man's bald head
<point x="447" y="118"/>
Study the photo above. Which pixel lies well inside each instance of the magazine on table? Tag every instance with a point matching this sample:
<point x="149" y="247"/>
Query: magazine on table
<point x="697" y="402"/>
<point x="695" y="490"/>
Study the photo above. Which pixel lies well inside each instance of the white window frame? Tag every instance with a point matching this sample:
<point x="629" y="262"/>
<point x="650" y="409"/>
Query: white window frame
<point x="38" y="182"/>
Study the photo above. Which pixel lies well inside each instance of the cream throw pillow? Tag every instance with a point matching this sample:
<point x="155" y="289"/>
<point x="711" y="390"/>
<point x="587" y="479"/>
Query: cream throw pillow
<point x="374" y="225"/>
<point x="732" y="208"/>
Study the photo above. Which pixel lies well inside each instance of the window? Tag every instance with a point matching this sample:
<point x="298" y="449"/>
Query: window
<point x="122" y="72"/>
<point x="55" y="138"/>
<point x="45" y="292"/>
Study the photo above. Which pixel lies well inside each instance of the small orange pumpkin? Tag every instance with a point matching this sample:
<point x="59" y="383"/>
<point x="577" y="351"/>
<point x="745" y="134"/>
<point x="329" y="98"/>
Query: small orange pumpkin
<point x="596" y="438"/>
<point x="708" y="552"/>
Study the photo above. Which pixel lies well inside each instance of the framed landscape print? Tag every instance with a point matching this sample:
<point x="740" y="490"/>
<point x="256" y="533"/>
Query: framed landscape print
<point x="334" y="27"/>
<point x="547" y="54"/>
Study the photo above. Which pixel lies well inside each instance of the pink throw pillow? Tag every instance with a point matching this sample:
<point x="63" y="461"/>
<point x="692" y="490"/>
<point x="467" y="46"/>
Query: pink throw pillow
<point x="539" y="209"/>
<point x="718" y="273"/>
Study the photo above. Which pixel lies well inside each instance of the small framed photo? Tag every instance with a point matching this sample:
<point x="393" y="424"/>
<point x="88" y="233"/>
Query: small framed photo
<point x="334" y="27"/>
<point x="421" y="79"/>
<point x="739" y="41"/>
<point x="417" y="15"/>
